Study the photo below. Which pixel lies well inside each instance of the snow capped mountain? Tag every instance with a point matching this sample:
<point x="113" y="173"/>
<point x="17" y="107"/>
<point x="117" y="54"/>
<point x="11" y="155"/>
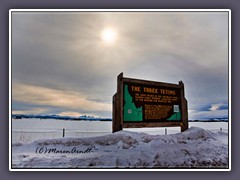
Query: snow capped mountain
<point x="92" y="118"/>
<point x="60" y="117"/>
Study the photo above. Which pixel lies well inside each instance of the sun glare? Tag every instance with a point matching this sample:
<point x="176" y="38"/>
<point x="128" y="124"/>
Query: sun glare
<point x="109" y="36"/>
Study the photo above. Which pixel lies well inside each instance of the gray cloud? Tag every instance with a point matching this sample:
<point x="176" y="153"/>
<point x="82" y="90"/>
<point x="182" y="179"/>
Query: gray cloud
<point x="223" y="107"/>
<point x="203" y="108"/>
<point x="63" y="52"/>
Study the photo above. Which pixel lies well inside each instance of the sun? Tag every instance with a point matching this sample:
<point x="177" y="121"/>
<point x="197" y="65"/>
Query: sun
<point x="109" y="35"/>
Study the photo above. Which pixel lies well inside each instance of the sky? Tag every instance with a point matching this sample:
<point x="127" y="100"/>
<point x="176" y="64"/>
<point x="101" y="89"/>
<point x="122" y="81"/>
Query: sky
<point x="65" y="63"/>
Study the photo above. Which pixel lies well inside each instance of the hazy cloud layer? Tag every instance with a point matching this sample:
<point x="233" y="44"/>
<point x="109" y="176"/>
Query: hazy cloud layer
<point x="60" y="64"/>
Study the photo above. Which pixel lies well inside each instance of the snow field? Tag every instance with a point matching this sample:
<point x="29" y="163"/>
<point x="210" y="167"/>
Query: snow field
<point x="194" y="148"/>
<point x="29" y="130"/>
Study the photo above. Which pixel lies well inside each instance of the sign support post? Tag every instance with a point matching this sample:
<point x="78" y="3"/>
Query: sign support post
<point x="118" y="105"/>
<point x="184" y="124"/>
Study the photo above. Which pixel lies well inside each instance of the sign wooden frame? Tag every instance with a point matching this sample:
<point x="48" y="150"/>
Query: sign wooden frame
<point x="117" y="111"/>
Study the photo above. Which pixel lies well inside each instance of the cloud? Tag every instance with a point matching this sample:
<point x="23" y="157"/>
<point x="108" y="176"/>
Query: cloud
<point x="223" y="107"/>
<point x="219" y="110"/>
<point x="220" y="106"/>
<point x="72" y="114"/>
<point x="211" y="107"/>
<point x="30" y="111"/>
<point x="41" y="98"/>
<point x="62" y="55"/>
<point x="203" y="108"/>
<point x="198" y="115"/>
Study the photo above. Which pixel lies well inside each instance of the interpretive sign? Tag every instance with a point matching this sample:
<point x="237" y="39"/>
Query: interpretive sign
<point x="141" y="103"/>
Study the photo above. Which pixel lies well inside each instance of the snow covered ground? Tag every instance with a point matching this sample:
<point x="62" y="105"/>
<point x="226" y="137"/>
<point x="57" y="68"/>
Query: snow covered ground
<point x="29" y="130"/>
<point x="194" y="148"/>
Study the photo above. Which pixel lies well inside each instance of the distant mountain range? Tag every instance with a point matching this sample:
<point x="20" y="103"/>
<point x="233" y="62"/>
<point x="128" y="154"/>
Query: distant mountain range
<point x="55" y="116"/>
<point x="92" y="118"/>
<point x="211" y="120"/>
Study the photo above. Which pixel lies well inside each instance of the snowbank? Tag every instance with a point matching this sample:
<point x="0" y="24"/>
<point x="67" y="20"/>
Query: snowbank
<point x="195" y="148"/>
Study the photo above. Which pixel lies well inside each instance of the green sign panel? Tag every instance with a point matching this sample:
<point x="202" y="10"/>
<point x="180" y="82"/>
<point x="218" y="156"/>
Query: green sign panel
<point x="148" y="103"/>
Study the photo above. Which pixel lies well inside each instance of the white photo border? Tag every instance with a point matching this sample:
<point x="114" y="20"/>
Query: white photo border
<point x="118" y="10"/>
